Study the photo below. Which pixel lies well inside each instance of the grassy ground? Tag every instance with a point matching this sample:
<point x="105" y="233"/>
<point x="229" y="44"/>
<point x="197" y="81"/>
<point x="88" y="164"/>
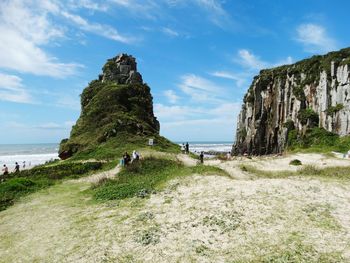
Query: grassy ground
<point x="144" y="177"/>
<point x="188" y="218"/>
<point x="25" y="182"/>
<point x="329" y="173"/>
<point x="115" y="147"/>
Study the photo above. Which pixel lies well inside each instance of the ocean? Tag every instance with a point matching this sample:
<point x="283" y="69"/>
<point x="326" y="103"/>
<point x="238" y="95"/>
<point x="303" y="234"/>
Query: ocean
<point x="215" y="146"/>
<point x="35" y="154"/>
<point x="31" y="154"/>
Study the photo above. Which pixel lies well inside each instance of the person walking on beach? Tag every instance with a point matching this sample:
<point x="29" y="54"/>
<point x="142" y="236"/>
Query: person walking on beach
<point x="201" y="157"/>
<point x="183" y="149"/>
<point x="24" y="164"/>
<point x="5" y="170"/>
<point x="17" y="168"/>
<point x="187" y="148"/>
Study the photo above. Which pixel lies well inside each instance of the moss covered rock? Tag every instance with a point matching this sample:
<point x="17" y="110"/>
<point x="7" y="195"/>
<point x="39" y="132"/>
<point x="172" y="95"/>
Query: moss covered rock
<point x="118" y="106"/>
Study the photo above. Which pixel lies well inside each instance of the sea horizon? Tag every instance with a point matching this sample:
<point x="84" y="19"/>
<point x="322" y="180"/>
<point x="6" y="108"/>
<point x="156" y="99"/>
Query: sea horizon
<point x="39" y="153"/>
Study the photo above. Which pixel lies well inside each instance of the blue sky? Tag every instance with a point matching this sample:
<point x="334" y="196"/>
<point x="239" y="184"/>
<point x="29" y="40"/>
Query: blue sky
<point x="198" y="57"/>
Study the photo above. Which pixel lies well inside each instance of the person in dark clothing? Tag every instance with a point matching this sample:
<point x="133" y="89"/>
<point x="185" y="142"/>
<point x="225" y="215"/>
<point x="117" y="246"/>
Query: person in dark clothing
<point x="5" y="170"/>
<point x="126" y="158"/>
<point x="201" y="157"/>
<point x="187" y="148"/>
<point x="17" y="168"/>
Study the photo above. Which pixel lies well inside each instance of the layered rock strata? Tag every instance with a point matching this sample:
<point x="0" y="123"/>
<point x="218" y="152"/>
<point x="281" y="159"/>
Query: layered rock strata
<point x="314" y="92"/>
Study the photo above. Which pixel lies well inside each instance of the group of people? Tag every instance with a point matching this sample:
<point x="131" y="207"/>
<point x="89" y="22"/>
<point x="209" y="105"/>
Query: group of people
<point x="185" y="148"/>
<point x="127" y="159"/>
<point x="5" y="169"/>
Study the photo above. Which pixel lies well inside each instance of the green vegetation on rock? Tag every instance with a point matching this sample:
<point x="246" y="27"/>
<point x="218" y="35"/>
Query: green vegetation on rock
<point x="116" y="115"/>
<point x="308" y="116"/>
<point x="317" y="140"/>
<point x="334" y="109"/>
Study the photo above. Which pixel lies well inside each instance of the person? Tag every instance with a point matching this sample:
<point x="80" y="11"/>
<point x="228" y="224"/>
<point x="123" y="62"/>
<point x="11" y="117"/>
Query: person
<point x="187" y="148"/>
<point x="5" y="170"/>
<point x="16" y="168"/>
<point x="228" y="156"/>
<point x="135" y="156"/>
<point x="24" y="164"/>
<point x="126" y="158"/>
<point x="183" y="148"/>
<point x="201" y="157"/>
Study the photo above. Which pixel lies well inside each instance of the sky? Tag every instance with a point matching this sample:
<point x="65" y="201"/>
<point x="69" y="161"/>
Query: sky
<point x="198" y="56"/>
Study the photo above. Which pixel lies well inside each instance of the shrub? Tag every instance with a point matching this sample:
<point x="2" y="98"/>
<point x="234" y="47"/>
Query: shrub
<point x="308" y="116"/>
<point x="289" y="124"/>
<point x="295" y="162"/>
<point x="334" y="109"/>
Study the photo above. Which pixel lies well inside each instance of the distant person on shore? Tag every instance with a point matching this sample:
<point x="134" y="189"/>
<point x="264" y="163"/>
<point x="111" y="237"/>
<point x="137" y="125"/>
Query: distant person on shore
<point x="187" y="148"/>
<point x="16" y="168"/>
<point x="201" y="157"/>
<point x="24" y="164"/>
<point x="228" y="156"/>
<point x="5" y="170"/>
<point x="183" y="149"/>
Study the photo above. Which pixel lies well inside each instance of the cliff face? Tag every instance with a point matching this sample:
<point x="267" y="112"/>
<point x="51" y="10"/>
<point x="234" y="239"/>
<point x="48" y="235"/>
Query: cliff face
<point x="314" y="92"/>
<point x="116" y="104"/>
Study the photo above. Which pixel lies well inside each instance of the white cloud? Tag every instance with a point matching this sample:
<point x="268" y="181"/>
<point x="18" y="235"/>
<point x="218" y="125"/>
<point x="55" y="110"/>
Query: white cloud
<point x="214" y="10"/>
<point x="198" y="123"/>
<point x="240" y="78"/>
<point x="254" y="63"/>
<point x="12" y="89"/>
<point x="89" y="5"/>
<point x="24" y="29"/>
<point x="171" y="96"/>
<point x="250" y="61"/>
<point x="315" y="38"/>
<point x="286" y="61"/>
<point x="42" y="126"/>
<point x="170" y="32"/>
<point x="68" y="101"/>
<point x="200" y="89"/>
<point x="50" y="126"/>
<point x="98" y="29"/>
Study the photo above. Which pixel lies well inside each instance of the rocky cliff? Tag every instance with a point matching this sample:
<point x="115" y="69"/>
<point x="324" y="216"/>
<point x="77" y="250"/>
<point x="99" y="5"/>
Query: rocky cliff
<point x="290" y="99"/>
<point x="116" y="106"/>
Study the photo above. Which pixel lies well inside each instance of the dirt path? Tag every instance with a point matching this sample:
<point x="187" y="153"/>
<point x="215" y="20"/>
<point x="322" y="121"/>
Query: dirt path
<point x="100" y="176"/>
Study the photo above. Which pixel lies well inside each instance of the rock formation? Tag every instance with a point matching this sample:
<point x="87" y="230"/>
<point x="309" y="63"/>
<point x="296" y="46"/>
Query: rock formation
<point x="115" y="104"/>
<point x="314" y="92"/>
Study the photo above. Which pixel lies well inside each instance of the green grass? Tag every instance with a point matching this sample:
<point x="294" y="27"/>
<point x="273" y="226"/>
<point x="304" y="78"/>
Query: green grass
<point x="342" y="173"/>
<point x="294" y="250"/>
<point x="145" y="177"/>
<point x="317" y="140"/>
<point x="28" y="181"/>
<point x="115" y="147"/>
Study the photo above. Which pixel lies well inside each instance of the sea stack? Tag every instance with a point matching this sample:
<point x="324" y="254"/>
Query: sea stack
<point x="116" y="105"/>
<point x="314" y="92"/>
